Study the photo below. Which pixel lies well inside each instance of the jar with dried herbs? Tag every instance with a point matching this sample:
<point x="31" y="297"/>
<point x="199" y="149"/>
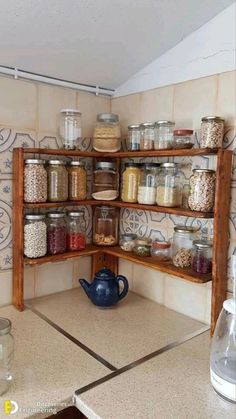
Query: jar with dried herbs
<point x="57" y="181"/>
<point x="77" y="181"/>
<point x="107" y="133"/>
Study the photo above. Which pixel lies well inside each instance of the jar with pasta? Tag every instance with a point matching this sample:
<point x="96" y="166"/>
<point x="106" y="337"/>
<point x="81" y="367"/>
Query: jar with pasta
<point x="35" y="181"/>
<point x="57" y="181"/>
<point x="183" y="245"/>
<point x="202" y="190"/>
<point x="130" y="182"/>
<point x="77" y="181"/>
<point x="107" y="133"/>
<point x="169" y="188"/>
<point x="147" y="136"/>
<point x="105" y="226"/>
<point x="212" y="131"/>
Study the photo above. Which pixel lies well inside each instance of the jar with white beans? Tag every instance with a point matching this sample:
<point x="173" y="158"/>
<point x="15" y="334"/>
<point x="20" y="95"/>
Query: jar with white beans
<point x="182" y="246"/>
<point x="35" y="181"/>
<point x="35" y="236"/>
<point x="202" y="190"/>
<point x="212" y="132"/>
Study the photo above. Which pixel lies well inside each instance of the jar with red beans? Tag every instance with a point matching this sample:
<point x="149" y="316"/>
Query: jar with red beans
<point x="56" y="233"/>
<point x="76" y="230"/>
<point x="202" y="257"/>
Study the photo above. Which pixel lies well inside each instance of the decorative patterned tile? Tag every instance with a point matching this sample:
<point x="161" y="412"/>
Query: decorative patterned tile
<point x="5" y="224"/>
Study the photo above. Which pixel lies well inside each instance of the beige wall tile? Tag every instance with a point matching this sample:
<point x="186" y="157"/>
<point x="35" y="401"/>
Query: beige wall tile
<point x="90" y="105"/>
<point x="126" y="269"/>
<point x="18" y="104"/>
<point x="226" y="100"/>
<point x="157" y="104"/>
<point x="82" y="269"/>
<point x="207" y="317"/>
<point x="128" y="109"/>
<point x="5" y="288"/>
<point x="149" y="283"/>
<point x="53" y="277"/>
<point x="29" y="282"/>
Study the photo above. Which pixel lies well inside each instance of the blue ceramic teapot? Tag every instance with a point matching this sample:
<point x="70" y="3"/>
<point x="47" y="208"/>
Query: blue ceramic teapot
<point x="104" y="289"/>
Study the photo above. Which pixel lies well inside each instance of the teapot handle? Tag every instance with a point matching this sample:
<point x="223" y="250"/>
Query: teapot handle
<point x="126" y="286"/>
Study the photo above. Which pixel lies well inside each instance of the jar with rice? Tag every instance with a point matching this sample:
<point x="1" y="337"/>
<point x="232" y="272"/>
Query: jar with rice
<point x="107" y="133"/>
<point x="169" y="188"/>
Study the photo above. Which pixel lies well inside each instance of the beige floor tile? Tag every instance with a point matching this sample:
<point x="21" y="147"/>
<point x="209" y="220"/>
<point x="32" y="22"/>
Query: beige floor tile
<point x="226" y="100"/>
<point x="128" y="109"/>
<point x="157" y="104"/>
<point x="90" y="105"/>
<point x="52" y="278"/>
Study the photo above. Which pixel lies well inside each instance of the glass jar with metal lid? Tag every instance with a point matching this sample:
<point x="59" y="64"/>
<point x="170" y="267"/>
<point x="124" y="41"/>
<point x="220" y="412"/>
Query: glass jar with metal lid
<point x="164" y="135"/>
<point x="107" y="133"/>
<point x="147" y="136"/>
<point x="130" y="182"/>
<point x="105" y="181"/>
<point x="56" y="233"/>
<point x="183" y="138"/>
<point x="183" y="245"/>
<point x="57" y="181"/>
<point x="169" y="188"/>
<point x="160" y="250"/>
<point x="212" y="132"/>
<point x="127" y="241"/>
<point x="105" y="226"/>
<point x="77" y="177"/>
<point x="202" y="190"/>
<point x="35" y="181"/>
<point x="35" y="236"/>
<point x="133" y="141"/>
<point x="70" y="128"/>
<point x="76" y="230"/>
<point x="202" y="256"/>
<point x="147" y="189"/>
<point x="142" y="247"/>
<point x="6" y="355"/>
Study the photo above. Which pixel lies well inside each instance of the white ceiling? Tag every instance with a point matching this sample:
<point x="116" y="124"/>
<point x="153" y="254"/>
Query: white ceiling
<point x="102" y="42"/>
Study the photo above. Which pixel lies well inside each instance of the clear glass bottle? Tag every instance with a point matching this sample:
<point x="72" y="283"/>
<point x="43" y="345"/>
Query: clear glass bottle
<point x="147" y="136"/>
<point x="107" y="133"/>
<point x="35" y="236"/>
<point x="130" y="182"/>
<point x="142" y="247"/>
<point x="57" y="181"/>
<point x="70" y="128"/>
<point x="76" y="231"/>
<point x="160" y="250"/>
<point x="105" y="226"/>
<point x="105" y="181"/>
<point x="147" y="189"/>
<point x="77" y="177"/>
<point x="169" y="188"/>
<point x="35" y="181"/>
<point x="127" y="241"/>
<point x="182" y="246"/>
<point x="202" y="190"/>
<point x="183" y="138"/>
<point x="202" y="256"/>
<point x="6" y="355"/>
<point x="164" y="135"/>
<point x="133" y="141"/>
<point x="212" y="132"/>
<point x="56" y="233"/>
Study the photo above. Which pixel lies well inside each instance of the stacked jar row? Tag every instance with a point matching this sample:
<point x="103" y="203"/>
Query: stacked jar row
<point x="54" y="233"/>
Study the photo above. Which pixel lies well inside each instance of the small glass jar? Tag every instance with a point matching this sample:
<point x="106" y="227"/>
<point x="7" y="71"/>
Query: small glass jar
<point x="164" y="135"/>
<point x="133" y="141"/>
<point x="160" y="250"/>
<point x="56" y="233"/>
<point x="183" y="138"/>
<point x="130" y="182"/>
<point x="77" y="177"/>
<point x="202" y="257"/>
<point x="6" y="355"/>
<point x="182" y="246"/>
<point x="147" y="136"/>
<point x="57" y="181"/>
<point x="70" y="128"/>
<point x="169" y="189"/>
<point x="107" y="133"/>
<point x="105" y="181"/>
<point x="105" y="226"/>
<point x="147" y="189"/>
<point x="35" y="236"/>
<point x="76" y="231"/>
<point x="127" y="241"/>
<point x="212" y="132"/>
<point x="35" y="181"/>
<point x="142" y="247"/>
<point x="202" y="190"/>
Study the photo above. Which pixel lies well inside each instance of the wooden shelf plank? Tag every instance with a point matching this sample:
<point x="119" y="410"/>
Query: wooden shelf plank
<point x="90" y="250"/>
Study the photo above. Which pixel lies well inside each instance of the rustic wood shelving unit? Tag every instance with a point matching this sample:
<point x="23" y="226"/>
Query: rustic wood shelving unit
<point x="109" y="256"/>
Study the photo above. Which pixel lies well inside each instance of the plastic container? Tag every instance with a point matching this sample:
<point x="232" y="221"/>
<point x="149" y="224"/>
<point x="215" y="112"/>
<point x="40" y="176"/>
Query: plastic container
<point x="57" y="181"/>
<point x="127" y="241"/>
<point x="76" y="231"/>
<point x="160" y="250"/>
<point x="147" y="189"/>
<point x="169" y="189"/>
<point x="6" y="355"/>
<point x="202" y="190"/>
<point x="107" y="133"/>
<point x="56" y="233"/>
<point x="77" y="177"/>
<point x="147" y="136"/>
<point x="105" y="226"/>
<point x="212" y="132"/>
<point x="142" y="247"/>
<point x="130" y="182"/>
<point x="133" y="141"/>
<point x="164" y="135"/>
<point x="70" y="128"/>
<point x="202" y="256"/>
<point x="105" y="181"/>
<point x="182" y="246"/>
<point x="183" y="138"/>
<point x="35" y="236"/>
<point x="35" y="181"/>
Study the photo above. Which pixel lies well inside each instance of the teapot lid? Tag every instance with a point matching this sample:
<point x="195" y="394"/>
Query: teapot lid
<point x="105" y="274"/>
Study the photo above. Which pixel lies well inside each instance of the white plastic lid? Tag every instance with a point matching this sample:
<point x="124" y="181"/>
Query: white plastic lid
<point x="230" y="306"/>
<point x="76" y="111"/>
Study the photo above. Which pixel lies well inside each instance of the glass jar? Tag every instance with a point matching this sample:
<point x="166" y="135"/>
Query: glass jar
<point x="6" y="355"/>
<point x="77" y="177"/>
<point x="35" y="181"/>
<point x="133" y="141"/>
<point x="183" y="138"/>
<point x="105" y="226"/>
<point x="182" y="246"/>
<point x="130" y="182"/>
<point x="56" y="233"/>
<point x="202" y="190"/>
<point x="142" y="247"/>
<point x="160" y="250"/>
<point x="57" y="181"/>
<point x="202" y="257"/>
<point x="105" y="181"/>
<point x="107" y="133"/>
<point x="35" y="236"/>
<point x="147" y="189"/>
<point x="212" y="132"/>
<point x="147" y="136"/>
<point x="70" y="128"/>
<point x="127" y="241"/>
<point x="76" y="231"/>
<point x="169" y="189"/>
<point x="164" y="135"/>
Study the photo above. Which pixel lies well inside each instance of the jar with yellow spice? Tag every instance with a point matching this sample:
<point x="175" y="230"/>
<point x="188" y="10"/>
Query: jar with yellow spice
<point x="77" y="181"/>
<point x="130" y="182"/>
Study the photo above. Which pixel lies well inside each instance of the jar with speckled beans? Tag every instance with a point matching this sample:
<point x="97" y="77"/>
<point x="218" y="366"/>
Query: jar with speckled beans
<point x="6" y="355"/>
<point x="35" y="181"/>
<point x="57" y="181"/>
<point x="212" y="131"/>
<point x="35" y="236"/>
<point x="202" y="190"/>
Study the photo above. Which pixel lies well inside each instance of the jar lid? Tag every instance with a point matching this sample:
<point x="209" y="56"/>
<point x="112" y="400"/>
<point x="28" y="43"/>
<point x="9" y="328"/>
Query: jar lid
<point x="34" y="217"/>
<point x="56" y="214"/>
<point x="169" y="165"/>
<point x="128" y="236"/>
<point x="107" y="117"/>
<point x="202" y="244"/>
<point x="133" y="126"/>
<point x="144" y="242"/>
<point x="76" y="213"/>
<point x="165" y="123"/>
<point x="75" y="111"/>
<point x="150" y="165"/>
<point x="35" y="161"/>
<point x="185" y="229"/>
<point x="131" y="164"/>
<point x="148" y="124"/>
<point x="161" y="244"/>
<point x="212" y="118"/>
<point x="5" y="326"/>
<point x="76" y="163"/>
<point x="105" y="165"/>
<point x="203" y="170"/>
<point x="183" y="132"/>
<point x="56" y="162"/>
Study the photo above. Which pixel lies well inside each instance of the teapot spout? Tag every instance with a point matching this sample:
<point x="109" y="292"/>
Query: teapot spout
<point x="85" y="285"/>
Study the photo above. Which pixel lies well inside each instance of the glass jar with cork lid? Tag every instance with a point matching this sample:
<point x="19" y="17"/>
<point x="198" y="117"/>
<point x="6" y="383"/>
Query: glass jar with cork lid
<point x="105" y="226"/>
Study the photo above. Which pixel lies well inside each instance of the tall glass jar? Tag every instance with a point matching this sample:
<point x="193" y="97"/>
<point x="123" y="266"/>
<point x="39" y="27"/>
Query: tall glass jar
<point x="130" y="182"/>
<point x="107" y="133"/>
<point x="147" y="189"/>
<point x="202" y="190"/>
<point x="6" y="355"/>
<point x="77" y="177"/>
<point x="212" y="132"/>
<point x="164" y="135"/>
<point x="105" y="181"/>
<point x="70" y="128"/>
<point x="147" y="136"/>
<point x="105" y="226"/>
<point x="57" y="181"/>
<point x="76" y="230"/>
<point x="133" y="142"/>
<point x="56" y="233"/>
<point x="35" y="181"/>
<point x="182" y="246"/>
<point x="35" y="236"/>
<point x="202" y="256"/>
<point x="169" y="189"/>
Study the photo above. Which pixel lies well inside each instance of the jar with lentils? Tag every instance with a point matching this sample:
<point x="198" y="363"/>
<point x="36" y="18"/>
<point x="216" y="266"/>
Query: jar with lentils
<point x="56" y="233"/>
<point x="212" y="131"/>
<point x="35" y="236"/>
<point x="35" y="181"/>
<point x="130" y="182"/>
<point x="182" y="246"/>
<point x="77" y="181"/>
<point x="202" y="190"/>
<point x="76" y="230"/>
<point x="57" y="181"/>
